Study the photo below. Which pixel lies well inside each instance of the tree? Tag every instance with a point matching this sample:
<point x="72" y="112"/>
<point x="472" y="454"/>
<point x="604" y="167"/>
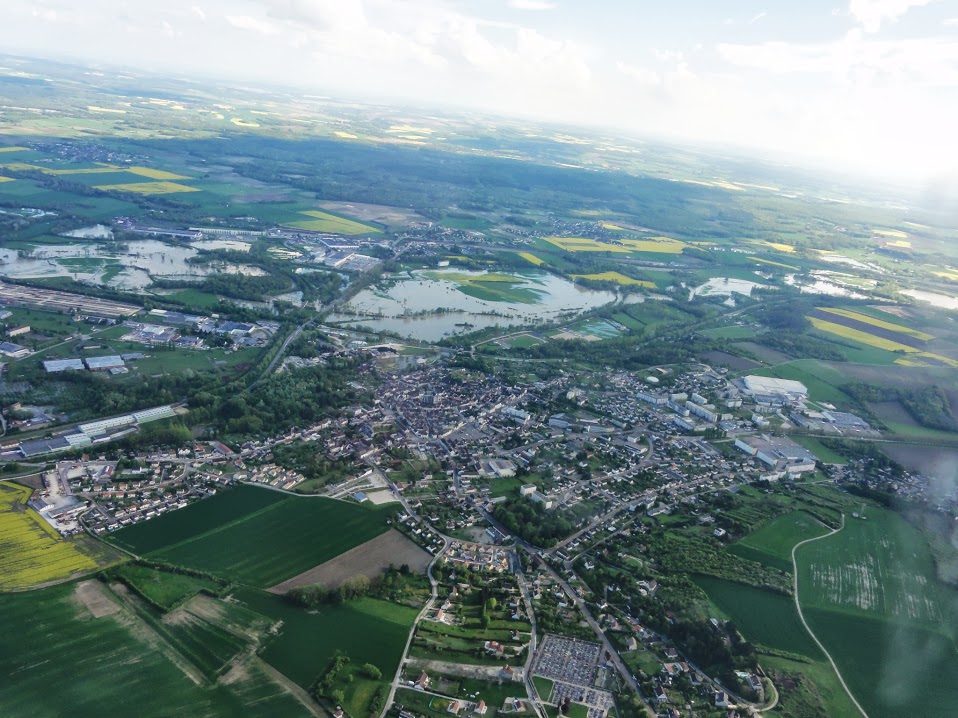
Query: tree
<point x="372" y="671"/>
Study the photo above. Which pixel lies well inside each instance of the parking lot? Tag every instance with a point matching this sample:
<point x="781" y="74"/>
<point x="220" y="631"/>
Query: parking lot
<point x="568" y="660"/>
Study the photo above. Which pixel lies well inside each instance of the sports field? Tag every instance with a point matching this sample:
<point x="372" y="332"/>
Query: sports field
<point x="871" y="595"/>
<point x="31" y="552"/>
<point x="255" y="539"/>
<point x="326" y="222"/>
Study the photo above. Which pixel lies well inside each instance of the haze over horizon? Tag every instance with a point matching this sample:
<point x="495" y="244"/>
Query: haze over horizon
<point x="865" y="86"/>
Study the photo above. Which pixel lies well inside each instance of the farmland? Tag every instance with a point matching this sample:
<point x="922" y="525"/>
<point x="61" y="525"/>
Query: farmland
<point x="260" y="545"/>
<point x="772" y="543"/>
<point x="764" y="617"/>
<point x="31" y="552"/>
<point x="158" y="187"/>
<point x="528" y="256"/>
<point x="97" y="653"/>
<point x="326" y="222"/>
<point x="617" y="278"/>
<point x="871" y="595"/>
<point x="582" y="244"/>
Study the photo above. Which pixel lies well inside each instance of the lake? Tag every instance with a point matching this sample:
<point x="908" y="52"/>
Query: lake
<point x="725" y="287"/>
<point x="408" y="304"/>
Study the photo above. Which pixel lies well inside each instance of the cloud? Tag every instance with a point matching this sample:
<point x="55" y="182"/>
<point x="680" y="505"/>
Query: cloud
<point x="756" y="18"/>
<point x="951" y="22"/>
<point x="252" y="24"/>
<point x="199" y="12"/>
<point x="532" y="5"/>
<point x="871" y="14"/>
<point x="855" y="59"/>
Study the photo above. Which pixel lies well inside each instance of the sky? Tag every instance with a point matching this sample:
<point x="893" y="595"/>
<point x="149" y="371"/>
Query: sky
<point x="867" y="86"/>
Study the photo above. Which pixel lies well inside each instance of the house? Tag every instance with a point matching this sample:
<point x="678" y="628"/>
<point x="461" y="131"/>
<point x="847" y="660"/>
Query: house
<point x="480" y="708"/>
<point x="507" y="674"/>
<point x="660" y="696"/>
<point x="339" y="712"/>
<point x="721" y="699"/>
<point x="454" y="707"/>
<point x="423" y="681"/>
<point x="494" y="647"/>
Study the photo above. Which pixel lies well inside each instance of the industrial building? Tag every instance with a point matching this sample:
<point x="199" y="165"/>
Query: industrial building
<point x="774" y="388"/>
<point x="779" y="452"/>
<point x="104" y="363"/>
<point x="53" y="366"/>
<point x="14" y="351"/>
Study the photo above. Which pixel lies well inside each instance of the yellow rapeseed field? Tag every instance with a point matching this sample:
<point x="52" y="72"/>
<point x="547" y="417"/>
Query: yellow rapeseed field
<point x="859" y="336"/>
<point x="528" y="256"/>
<point x="864" y="318"/>
<point x="787" y="248"/>
<point x="149" y="187"/>
<point x="6" y="179"/>
<point x="86" y="171"/>
<point x="890" y="233"/>
<point x="583" y="244"/>
<point x="12" y="149"/>
<point x="662" y="245"/>
<point x="616" y="277"/>
<point x="31" y="552"/>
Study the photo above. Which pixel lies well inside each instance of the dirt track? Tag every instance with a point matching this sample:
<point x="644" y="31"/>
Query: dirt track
<point x="368" y="559"/>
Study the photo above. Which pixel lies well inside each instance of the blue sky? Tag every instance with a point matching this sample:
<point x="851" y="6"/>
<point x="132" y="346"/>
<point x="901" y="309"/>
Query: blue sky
<point x="865" y="85"/>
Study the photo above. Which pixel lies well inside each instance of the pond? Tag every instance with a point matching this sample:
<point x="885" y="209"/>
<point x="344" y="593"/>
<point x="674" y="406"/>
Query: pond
<point x="816" y="284"/>
<point x="430" y="305"/>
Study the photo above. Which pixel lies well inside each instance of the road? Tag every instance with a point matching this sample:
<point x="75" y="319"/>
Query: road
<point x="534" y="697"/>
<point x="798" y="607"/>
<point x="412" y="631"/>
<point x="620" y="666"/>
<point x="294" y="335"/>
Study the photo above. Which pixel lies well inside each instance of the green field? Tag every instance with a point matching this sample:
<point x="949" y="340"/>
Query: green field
<point x="367" y="630"/>
<point x="492" y="287"/>
<point x="54" y="653"/>
<point x="164" y="588"/>
<point x="822" y="452"/>
<point x="772" y="544"/>
<point x="256" y="539"/>
<point x="871" y="595"/>
<point x="762" y="616"/>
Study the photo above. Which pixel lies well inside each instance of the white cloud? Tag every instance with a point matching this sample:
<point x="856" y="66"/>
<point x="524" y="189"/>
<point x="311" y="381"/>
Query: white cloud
<point x="856" y="59"/>
<point x="199" y="12"/>
<point x="951" y="22"/>
<point x="253" y="24"/>
<point x="871" y="14"/>
<point x="756" y="18"/>
<point x="532" y="5"/>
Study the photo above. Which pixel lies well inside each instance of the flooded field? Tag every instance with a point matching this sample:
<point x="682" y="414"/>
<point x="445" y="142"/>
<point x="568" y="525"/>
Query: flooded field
<point x="432" y="305"/>
<point x="725" y="287"/>
<point x="130" y="265"/>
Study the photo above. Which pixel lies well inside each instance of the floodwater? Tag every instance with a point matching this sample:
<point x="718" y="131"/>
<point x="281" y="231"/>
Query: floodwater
<point x="725" y="287"/>
<point x="131" y="265"/>
<point x="817" y="285"/>
<point x="233" y="244"/>
<point x="939" y="300"/>
<point x="97" y="231"/>
<point x="409" y="306"/>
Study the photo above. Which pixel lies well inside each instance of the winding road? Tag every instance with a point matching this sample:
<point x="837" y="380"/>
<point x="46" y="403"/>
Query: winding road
<point x="801" y="616"/>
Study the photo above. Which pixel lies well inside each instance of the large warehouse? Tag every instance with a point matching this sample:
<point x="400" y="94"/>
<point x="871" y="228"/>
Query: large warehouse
<point x="773" y="386"/>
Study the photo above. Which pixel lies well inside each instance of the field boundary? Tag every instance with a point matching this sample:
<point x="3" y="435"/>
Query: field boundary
<point x="801" y="616"/>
